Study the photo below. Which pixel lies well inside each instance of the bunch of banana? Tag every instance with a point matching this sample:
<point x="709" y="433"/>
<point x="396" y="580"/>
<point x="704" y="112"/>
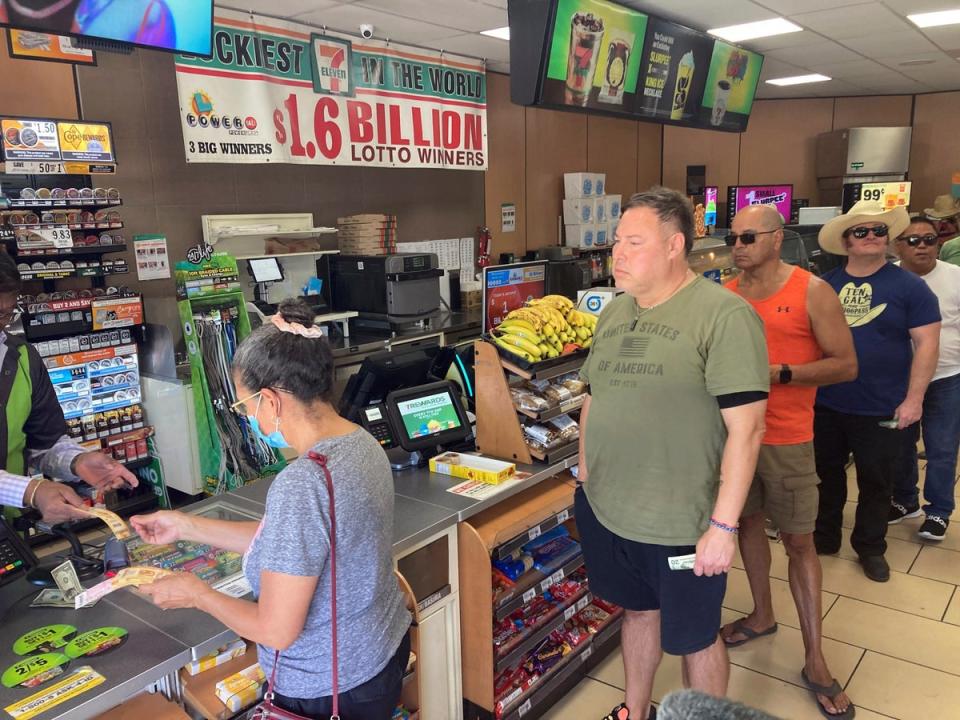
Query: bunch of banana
<point x="554" y="319"/>
<point x="527" y="335"/>
<point x="583" y="324"/>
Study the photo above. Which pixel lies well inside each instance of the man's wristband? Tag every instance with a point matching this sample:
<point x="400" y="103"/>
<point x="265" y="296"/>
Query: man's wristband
<point x="723" y="526"/>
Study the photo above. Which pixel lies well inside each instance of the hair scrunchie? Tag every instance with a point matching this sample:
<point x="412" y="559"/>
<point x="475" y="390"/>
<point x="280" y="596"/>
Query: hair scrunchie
<point x="296" y="328"/>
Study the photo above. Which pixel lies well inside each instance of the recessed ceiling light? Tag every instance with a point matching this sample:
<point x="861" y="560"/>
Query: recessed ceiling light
<point x="799" y="79"/>
<point x="933" y="19"/>
<point x="916" y="63"/>
<point x="499" y="33"/>
<point x="753" y="30"/>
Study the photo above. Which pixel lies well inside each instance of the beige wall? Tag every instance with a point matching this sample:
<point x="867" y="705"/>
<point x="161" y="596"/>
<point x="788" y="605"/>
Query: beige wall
<point x="35" y="88"/>
<point x="935" y="152"/>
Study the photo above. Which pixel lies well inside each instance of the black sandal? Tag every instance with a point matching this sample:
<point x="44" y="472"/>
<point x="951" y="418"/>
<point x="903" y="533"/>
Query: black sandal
<point x="828" y="691"/>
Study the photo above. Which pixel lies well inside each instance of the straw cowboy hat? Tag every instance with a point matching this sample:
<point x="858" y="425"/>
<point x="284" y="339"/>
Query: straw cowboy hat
<point x="865" y="211"/>
<point x="944" y="206"/>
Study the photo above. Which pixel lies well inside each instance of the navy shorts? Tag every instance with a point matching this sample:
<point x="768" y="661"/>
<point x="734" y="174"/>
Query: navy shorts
<point x="637" y="576"/>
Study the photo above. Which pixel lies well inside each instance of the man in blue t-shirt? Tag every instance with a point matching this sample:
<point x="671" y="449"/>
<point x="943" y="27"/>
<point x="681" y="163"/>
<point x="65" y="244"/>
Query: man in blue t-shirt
<point x="895" y="321"/>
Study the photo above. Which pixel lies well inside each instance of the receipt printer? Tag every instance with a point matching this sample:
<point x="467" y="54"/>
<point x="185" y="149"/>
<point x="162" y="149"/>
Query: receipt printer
<point x="393" y="288"/>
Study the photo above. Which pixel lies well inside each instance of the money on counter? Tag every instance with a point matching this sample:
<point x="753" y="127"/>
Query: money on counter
<point x="65" y="576"/>
<point x="132" y="576"/>
<point x="53" y="598"/>
<point x="113" y="521"/>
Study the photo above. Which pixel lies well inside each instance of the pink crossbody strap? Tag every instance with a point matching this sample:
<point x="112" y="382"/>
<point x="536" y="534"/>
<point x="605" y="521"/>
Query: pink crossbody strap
<point x="321" y="460"/>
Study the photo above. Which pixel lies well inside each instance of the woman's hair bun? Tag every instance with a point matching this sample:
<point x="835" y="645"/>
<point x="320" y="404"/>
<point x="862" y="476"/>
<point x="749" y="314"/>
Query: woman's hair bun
<point x="295" y="310"/>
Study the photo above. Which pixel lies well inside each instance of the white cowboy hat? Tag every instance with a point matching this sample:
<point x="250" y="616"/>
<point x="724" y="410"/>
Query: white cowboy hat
<point x="865" y="211"/>
<point x="944" y="206"/>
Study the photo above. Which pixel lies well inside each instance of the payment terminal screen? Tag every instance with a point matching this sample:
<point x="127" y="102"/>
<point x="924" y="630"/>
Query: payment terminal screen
<point x="428" y="415"/>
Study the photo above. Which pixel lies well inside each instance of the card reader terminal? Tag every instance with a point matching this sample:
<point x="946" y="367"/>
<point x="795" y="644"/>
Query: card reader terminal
<point x="374" y="419"/>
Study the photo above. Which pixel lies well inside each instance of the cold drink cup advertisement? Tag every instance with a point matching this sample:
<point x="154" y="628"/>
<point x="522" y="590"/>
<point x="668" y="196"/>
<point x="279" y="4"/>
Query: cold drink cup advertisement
<point x="777" y="195"/>
<point x="730" y="88"/>
<point x="594" y="55"/>
<point x="673" y="71"/>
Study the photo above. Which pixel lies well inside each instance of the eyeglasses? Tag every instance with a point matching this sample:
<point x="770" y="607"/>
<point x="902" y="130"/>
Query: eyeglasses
<point x="860" y="233"/>
<point x="747" y="238"/>
<point x="239" y="406"/>
<point x="914" y="240"/>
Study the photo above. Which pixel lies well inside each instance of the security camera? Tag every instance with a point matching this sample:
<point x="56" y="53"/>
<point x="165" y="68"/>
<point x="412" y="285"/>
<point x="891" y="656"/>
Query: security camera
<point x="366" y="31"/>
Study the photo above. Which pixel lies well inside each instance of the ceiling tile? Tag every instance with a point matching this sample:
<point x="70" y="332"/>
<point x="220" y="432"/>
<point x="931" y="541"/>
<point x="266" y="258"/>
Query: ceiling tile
<point x="824" y="52"/>
<point x="793" y="7"/>
<point x="773" y="68"/>
<point x="852" y="21"/>
<point x="702" y="16"/>
<point x="779" y="42"/>
<point x="849" y="68"/>
<point x="279" y="8"/>
<point x="348" y="18"/>
<point x="475" y="45"/>
<point x="891" y="85"/>
<point x="947" y="37"/>
<point x="900" y="42"/>
<point x="908" y="7"/>
<point x="467" y="15"/>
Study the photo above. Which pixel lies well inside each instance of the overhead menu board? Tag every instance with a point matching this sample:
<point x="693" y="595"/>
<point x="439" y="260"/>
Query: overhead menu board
<point x="50" y="147"/>
<point x="599" y="56"/>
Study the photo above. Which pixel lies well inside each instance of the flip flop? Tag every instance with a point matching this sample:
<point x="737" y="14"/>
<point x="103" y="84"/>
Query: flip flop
<point x="829" y="691"/>
<point x="739" y="627"/>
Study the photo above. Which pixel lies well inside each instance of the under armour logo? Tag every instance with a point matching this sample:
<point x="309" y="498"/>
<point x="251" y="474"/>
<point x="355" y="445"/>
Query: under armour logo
<point x="783" y="308"/>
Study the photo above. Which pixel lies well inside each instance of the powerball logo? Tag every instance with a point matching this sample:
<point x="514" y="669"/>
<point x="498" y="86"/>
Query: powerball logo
<point x="331" y="65"/>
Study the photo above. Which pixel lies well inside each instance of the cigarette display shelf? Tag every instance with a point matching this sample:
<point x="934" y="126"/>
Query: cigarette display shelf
<point x="73" y="227"/>
<point x="72" y="273"/>
<point x="495" y="534"/>
<point x="500" y="431"/>
<point x="100" y="249"/>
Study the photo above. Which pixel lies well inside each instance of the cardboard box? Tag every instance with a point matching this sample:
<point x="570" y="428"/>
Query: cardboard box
<point x="578" y="185"/>
<point x="601" y="214"/>
<point x="224" y="655"/>
<point x="612" y="204"/>
<point x="241" y="689"/>
<point x="579" y="236"/>
<point x="472" y="467"/>
<point x="601" y="235"/>
<point x="599" y="183"/>
<point x="579" y="210"/>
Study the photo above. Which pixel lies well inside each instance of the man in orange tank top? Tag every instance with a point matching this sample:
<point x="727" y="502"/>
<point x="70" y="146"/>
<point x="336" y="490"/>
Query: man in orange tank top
<point x="809" y="344"/>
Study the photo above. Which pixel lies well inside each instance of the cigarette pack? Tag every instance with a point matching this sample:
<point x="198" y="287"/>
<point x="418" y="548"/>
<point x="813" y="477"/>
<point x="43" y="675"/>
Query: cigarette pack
<point x="233" y="650"/>
<point x="472" y="467"/>
<point x="241" y="689"/>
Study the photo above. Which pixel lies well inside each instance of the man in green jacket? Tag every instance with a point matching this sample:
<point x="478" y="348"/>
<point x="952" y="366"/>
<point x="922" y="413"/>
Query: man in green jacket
<point x="33" y="432"/>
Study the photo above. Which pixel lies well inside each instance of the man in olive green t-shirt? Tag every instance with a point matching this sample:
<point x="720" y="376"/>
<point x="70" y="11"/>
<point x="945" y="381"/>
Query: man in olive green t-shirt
<point x="670" y="432"/>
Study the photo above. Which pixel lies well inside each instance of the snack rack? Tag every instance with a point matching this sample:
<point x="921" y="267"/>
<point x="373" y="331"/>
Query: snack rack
<point x="500" y="424"/>
<point x="87" y="336"/>
<point x="543" y="629"/>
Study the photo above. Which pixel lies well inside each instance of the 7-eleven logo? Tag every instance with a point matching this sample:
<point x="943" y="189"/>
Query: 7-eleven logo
<point x="331" y="65"/>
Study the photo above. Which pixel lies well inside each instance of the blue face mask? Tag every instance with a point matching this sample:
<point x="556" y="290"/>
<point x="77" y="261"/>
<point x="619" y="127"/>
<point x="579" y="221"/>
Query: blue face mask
<point x="274" y="439"/>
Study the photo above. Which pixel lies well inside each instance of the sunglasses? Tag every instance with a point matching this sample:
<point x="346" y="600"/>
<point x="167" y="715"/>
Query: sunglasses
<point x="914" y="240"/>
<point x="747" y="238"/>
<point x="860" y="233"/>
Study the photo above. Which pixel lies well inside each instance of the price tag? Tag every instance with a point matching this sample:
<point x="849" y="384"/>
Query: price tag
<point x="890" y="194"/>
<point x="31" y="167"/>
<point x="525" y="708"/>
<point x="557" y="577"/>
<point x="529" y="595"/>
<point x="569" y="612"/>
<point x="534" y="533"/>
<point x="563" y="516"/>
<point x="546" y="584"/>
<point x="585" y="655"/>
<point x="60" y="236"/>
<point x="583" y="602"/>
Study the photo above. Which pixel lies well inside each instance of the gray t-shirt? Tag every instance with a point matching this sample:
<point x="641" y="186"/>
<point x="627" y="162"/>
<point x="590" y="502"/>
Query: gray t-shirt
<point x="294" y="539"/>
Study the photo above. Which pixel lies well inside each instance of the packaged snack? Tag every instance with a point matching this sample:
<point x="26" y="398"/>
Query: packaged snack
<point x="514" y="566"/>
<point x="542" y="436"/>
<point x="567" y="427"/>
<point x="557" y="394"/>
<point x="526" y="400"/>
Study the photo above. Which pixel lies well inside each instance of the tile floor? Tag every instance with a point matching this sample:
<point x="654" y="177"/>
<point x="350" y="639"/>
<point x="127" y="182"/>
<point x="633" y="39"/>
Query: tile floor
<point x="895" y="647"/>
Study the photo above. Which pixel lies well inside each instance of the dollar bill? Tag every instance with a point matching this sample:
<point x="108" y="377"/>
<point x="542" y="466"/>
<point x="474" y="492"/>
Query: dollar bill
<point x="127" y="577"/>
<point x="53" y="598"/>
<point x="65" y="576"/>
<point x="682" y="562"/>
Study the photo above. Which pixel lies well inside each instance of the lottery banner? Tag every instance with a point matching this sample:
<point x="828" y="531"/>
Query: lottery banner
<point x="279" y="92"/>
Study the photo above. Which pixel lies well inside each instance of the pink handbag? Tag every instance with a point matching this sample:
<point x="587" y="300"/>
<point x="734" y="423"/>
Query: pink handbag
<point x="266" y="710"/>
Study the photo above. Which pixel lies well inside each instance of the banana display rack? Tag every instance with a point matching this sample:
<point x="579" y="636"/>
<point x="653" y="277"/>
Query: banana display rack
<point x="544" y="341"/>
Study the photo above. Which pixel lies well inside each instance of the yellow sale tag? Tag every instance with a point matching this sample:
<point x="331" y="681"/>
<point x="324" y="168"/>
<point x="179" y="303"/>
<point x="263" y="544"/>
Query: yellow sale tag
<point x="889" y="194"/>
<point x="77" y="683"/>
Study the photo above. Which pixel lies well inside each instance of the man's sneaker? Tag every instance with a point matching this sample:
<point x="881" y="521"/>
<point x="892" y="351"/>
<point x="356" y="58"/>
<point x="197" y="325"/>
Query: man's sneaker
<point x="899" y="513"/>
<point x="933" y="528"/>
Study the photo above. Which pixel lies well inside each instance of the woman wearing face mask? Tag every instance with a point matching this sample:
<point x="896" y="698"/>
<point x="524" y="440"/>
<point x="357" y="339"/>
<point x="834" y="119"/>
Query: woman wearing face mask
<point x="284" y="373"/>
